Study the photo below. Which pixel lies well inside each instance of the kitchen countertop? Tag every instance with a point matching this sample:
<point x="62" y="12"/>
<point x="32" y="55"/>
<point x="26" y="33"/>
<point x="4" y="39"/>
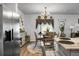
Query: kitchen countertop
<point x="74" y="46"/>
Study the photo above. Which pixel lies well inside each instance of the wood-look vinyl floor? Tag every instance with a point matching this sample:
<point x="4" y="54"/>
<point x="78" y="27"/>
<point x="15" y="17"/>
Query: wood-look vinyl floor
<point x="24" y="52"/>
<point x="29" y="52"/>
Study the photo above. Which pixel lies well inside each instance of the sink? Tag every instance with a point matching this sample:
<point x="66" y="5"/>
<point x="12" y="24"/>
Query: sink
<point x="64" y="38"/>
<point x="66" y="42"/>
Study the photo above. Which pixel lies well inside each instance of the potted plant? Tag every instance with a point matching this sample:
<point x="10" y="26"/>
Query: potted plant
<point x="62" y="30"/>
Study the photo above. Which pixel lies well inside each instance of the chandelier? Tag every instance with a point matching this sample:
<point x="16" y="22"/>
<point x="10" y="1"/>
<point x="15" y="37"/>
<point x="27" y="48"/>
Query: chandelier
<point x="44" y="18"/>
<point x="44" y="14"/>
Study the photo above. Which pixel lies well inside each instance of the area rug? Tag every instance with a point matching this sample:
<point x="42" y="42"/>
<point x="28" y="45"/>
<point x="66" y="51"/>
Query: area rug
<point x="37" y="51"/>
<point x="29" y="50"/>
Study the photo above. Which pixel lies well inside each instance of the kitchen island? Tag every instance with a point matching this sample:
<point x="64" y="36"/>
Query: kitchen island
<point x="65" y="48"/>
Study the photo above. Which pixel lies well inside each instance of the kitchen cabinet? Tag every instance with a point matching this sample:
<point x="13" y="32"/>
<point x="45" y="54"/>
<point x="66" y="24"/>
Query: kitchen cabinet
<point x="11" y="48"/>
<point x="1" y="31"/>
<point x="11" y="37"/>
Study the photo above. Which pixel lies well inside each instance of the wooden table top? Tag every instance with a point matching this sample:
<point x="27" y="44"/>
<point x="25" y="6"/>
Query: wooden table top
<point x="74" y="46"/>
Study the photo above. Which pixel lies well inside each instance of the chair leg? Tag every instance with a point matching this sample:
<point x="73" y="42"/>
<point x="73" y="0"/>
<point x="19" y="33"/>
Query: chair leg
<point x="43" y="51"/>
<point x="44" y="43"/>
<point x="35" y="43"/>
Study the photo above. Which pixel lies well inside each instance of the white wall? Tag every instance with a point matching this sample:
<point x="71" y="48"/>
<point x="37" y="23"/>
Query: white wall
<point x="29" y="23"/>
<point x="70" y="20"/>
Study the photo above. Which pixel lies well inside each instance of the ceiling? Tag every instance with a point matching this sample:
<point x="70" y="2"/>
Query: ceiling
<point x="53" y="8"/>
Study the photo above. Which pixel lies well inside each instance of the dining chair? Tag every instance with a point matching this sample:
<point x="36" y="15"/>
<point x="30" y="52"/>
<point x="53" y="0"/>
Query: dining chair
<point x="37" y="39"/>
<point x="49" y="38"/>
